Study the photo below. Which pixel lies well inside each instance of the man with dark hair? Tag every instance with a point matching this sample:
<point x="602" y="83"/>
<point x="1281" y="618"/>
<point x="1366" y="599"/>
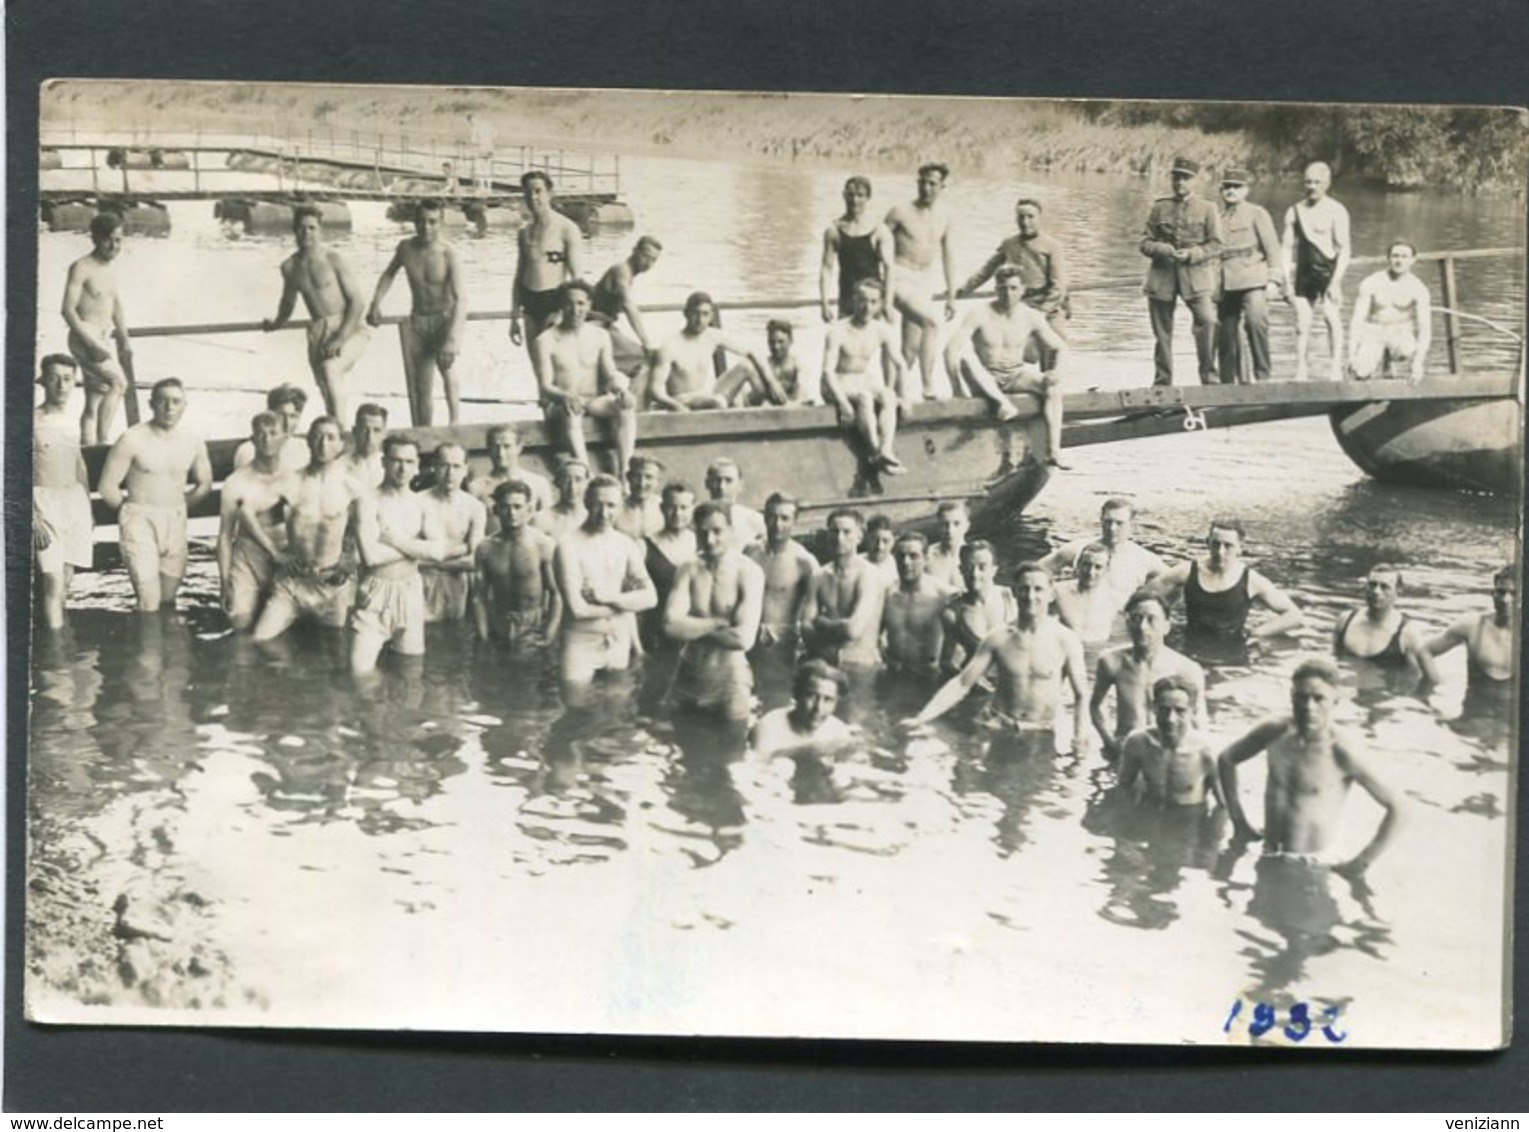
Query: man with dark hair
<point x="1132" y="670"/>
<point x="578" y="378"/>
<point x="615" y="296"/>
<point x="431" y="336"/>
<point x="1042" y="271"/>
<point x="684" y="372"/>
<point x="1183" y="240"/>
<point x="62" y="539"/>
<point x="1129" y="565"/>
<point x="1379" y="632"/>
<point x="844" y="606"/>
<point x="1490" y="651"/>
<point x="251" y="498"/>
<point x="515" y="600"/>
<point x="363" y="462"/>
<point x="1393" y="319"/>
<point x="457" y="522"/>
<point x="547" y="257"/>
<point x="93" y="312"/>
<point x="336" y="333"/>
<point x="920" y="235"/>
<point x="504" y="446"/>
<point x="1221" y="589"/>
<point x="855" y="247"/>
<point x="286" y="402"/>
<point x="788" y="570"/>
<point x="393" y="538"/>
<point x="867" y="401"/>
<point x="911" y="625"/>
<point x="784" y="368"/>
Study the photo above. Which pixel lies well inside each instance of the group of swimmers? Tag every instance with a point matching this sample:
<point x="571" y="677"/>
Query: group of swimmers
<point x="351" y="532"/>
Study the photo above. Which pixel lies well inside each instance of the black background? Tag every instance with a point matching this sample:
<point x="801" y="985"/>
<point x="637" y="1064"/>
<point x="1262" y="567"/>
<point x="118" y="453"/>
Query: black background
<point x="1342" y="50"/>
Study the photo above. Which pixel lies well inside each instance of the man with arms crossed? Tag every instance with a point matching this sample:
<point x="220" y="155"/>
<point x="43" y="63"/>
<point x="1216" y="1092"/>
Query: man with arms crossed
<point x="845" y="602"/>
<point x="515" y="600"/>
<point x="866" y="401"/>
<point x="1393" y="317"/>
<point x="547" y="258"/>
<point x="62" y="537"/>
<point x="1031" y="658"/>
<point x="858" y="246"/>
<point x="152" y="461"/>
<point x="920" y="232"/>
<point x="1312" y="764"/>
<point x="457" y="521"/>
<point x="579" y="378"/>
<point x="336" y="336"/>
<point x="315" y="576"/>
<point x="1317" y="250"/>
<point x="684" y="373"/>
<point x="252" y="497"/>
<point x="93" y="311"/>
<point x="431" y="335"/>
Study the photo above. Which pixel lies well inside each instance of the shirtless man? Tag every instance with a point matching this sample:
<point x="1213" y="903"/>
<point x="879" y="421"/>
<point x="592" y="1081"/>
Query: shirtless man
<point x="393" y="537"/>
<point x="780" y="357"/>
<point x="724" y="483"/>
<point x="601" y="576"/>
<point x="981" y="605"/>
<point x="547" y="258"/>
<point x="1031" y="657"/>
<point x="920" y="232"/>
<point x="286" y="402"/>
<point x="844" y="604"/>
<point x="1488" y="637"/>
<point x="912" y="632"/>
<point x="1042" y="269"/>
<point x="515" y="600"/>
<point x="684" y="373"/>
<point x="615" y="296"/>
<point x="809" y="723"/>
<point x="93" y="311"/>
<point x="504" y="444"/>
<point x="1393" y="317"/>
<point x="336" y="335"/>
<point x="879" y="539"/>
<point x="62" y="539"/>
<point x="1379" y="632"/>
<point x="858" y="247"/>
<point x="788" y="570"/>
<point x="363" y="463"/>
<point x="152" y="462"/>
<point x="315" y="575"/>
<point x="1000" y="332"/>
<point x="431" y="336"/>
<point x="1085" y="603"/>
<point x="1133" y="670"/>
<point x="642" y="512"/>
<point x="713" y="611"/>
<point x="1170" y="763"/>
<point x="1220" y="590"/>
<point x="1130" y="565"/>
<point x="1316" y="250"/>
<point x="866" y="401"/>
<point x="458" y="522"/>
<point x="252" y="496"/>
<point x="951" y="520"/>
<point x="1312" y="764"/>
<point x="579" y="378"/>
<point x="567" y="514"/>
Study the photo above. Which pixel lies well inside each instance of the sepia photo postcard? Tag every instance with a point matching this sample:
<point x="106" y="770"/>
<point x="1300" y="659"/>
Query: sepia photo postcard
<point x="775" y="565"/>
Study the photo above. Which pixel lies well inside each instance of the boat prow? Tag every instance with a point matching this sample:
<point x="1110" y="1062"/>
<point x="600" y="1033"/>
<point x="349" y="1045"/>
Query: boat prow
<point x="1466" y="445"/>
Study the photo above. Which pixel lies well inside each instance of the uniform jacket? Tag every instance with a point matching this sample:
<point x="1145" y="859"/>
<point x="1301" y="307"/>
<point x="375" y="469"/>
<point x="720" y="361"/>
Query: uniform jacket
<point x="1192" y="224"/>
<point x="1250" y="254"/>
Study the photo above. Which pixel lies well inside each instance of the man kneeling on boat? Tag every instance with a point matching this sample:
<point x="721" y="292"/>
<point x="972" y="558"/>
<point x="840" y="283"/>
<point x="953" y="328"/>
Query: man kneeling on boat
<point x="1392" y="319"/>
<point x="865" y="401"/>
<point x="999" y="333"/>
<point x="579" y="378"/>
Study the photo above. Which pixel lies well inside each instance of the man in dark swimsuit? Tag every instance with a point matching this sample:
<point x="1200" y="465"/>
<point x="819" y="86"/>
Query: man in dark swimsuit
<point x="1316" y="248"/>
<point x="859" y="246"/>
<point x="1379" y="632"/>
<point x="1221" y="589"/>
<point x="664" y="553"/>
<point x="615" y="296"/>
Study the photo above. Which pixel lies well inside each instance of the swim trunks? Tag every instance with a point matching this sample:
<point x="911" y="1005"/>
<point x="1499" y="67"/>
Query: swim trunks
<point x="1023" y="378"/>
<point x="425" y="333"/>
<point x="393" y="609"/>
<point x="590" y="647"/>
<point x="1314" y="268"/>
<point x="325" y="596"/>
<point x="350" y="349"/>
<point x="858" y="260"/>
<point x="251" y="573"/>
<point x="65" y="511"/>
<point x="1381" y="345"/>
<point x="518" y="628"/>
<point x="153" y="543"/>
<point x="1222" y="613"/>
<point x="445" y="594"/>
<point x="712" y="678"/>
<point x="96" y="376"/>
<point x="541" y="307"/>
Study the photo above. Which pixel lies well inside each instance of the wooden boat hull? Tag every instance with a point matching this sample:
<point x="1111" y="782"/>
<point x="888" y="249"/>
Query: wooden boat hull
<point x="1461" y="445"/>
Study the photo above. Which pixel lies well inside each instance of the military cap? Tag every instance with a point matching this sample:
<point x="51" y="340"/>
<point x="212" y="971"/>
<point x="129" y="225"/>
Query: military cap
<point x="1185" y="165"/>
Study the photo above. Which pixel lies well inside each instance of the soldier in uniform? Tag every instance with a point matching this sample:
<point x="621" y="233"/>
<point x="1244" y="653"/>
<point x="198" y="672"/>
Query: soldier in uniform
<point x="1250" y="262"/>
<point x="1183" y="241"/>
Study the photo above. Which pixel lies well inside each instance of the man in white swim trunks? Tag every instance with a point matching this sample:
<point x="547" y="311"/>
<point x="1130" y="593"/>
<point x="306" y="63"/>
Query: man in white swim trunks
<point x="393" y="538"/>
<point x="867" y="401"/>
<point x="252" y="496"/>
<point x="336" y="334"/>
<point x="93" y="312"/>
<point x="921" y="234"/>
<point x="684" y="373"/>
<point x="1393" y="316"/>
<point x="62" y="539"/>
<point x="578" y="378"/>
<point x="152" y="461"/>
<point x="458" y="521"/>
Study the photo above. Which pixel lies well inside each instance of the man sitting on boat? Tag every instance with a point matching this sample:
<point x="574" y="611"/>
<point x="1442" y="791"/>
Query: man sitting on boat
<point x="684" y="375"/>
<point x="1391" y="327"/>
<point x="579" y="378"/>
<point x="615" y="295"/>
<point x="999" y="332"/>
<point x="869" y="403"/>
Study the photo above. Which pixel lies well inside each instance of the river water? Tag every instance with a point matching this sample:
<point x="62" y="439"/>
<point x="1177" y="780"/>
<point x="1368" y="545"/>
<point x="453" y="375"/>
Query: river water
<point x="225" y="835"/>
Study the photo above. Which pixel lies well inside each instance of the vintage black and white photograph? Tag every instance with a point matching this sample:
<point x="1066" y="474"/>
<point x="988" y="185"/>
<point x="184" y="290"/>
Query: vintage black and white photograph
<point x="781" y="565"/>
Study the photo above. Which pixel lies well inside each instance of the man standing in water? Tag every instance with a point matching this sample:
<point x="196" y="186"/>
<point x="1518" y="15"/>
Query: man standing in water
<point x="315" y="578"/>
<point x="152" y="461"/>
<point x="431" y="336"/>
<point x="1132" y="671"/>
<point x="866" y="401"/>
<point x="1316" y="249"/>
<point x="1183" y="241"/>
<point x="1250" y="261"/>
<point x="857" y="247"/>
<point x="1042" y="269"/>
<point x="62" y="538"/>
<point x="578" y="378"/>
<point x="515" y="600"/>
<point x="504" y="445"/>
<point x="1312" y="764"/>
<point x="1000" y="333"/>
<point x="1379" y="632"/>
<point x="1130" y="565"/>
<point x="713" y="611"/>
<point x="788" y="570"/>
<point x="336" y="336"/>
<point x="363" y="463"/>
<point x="252" y="497"/>
<point x="93" y="312"/>
<point x="845" y="603"/>
<point x="724" y="483"/>
<point x="547" y="258"/>
<point x="1032" y="657"/>
<point x="920" y="232"/>
<point x="1085" y="603"/>
<point x="1393" y="317"/>
<point x="1487" y="637"/>
<point x="457" y="522"/>
<point x="1221" y="589"/>
<point x="911" y="626"/>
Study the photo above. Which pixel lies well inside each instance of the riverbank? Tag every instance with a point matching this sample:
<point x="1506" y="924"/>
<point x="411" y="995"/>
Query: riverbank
<point x="1398" y="147"/>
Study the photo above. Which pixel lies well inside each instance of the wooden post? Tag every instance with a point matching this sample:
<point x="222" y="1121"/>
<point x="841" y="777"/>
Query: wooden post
<point x="1451" y="324"/>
